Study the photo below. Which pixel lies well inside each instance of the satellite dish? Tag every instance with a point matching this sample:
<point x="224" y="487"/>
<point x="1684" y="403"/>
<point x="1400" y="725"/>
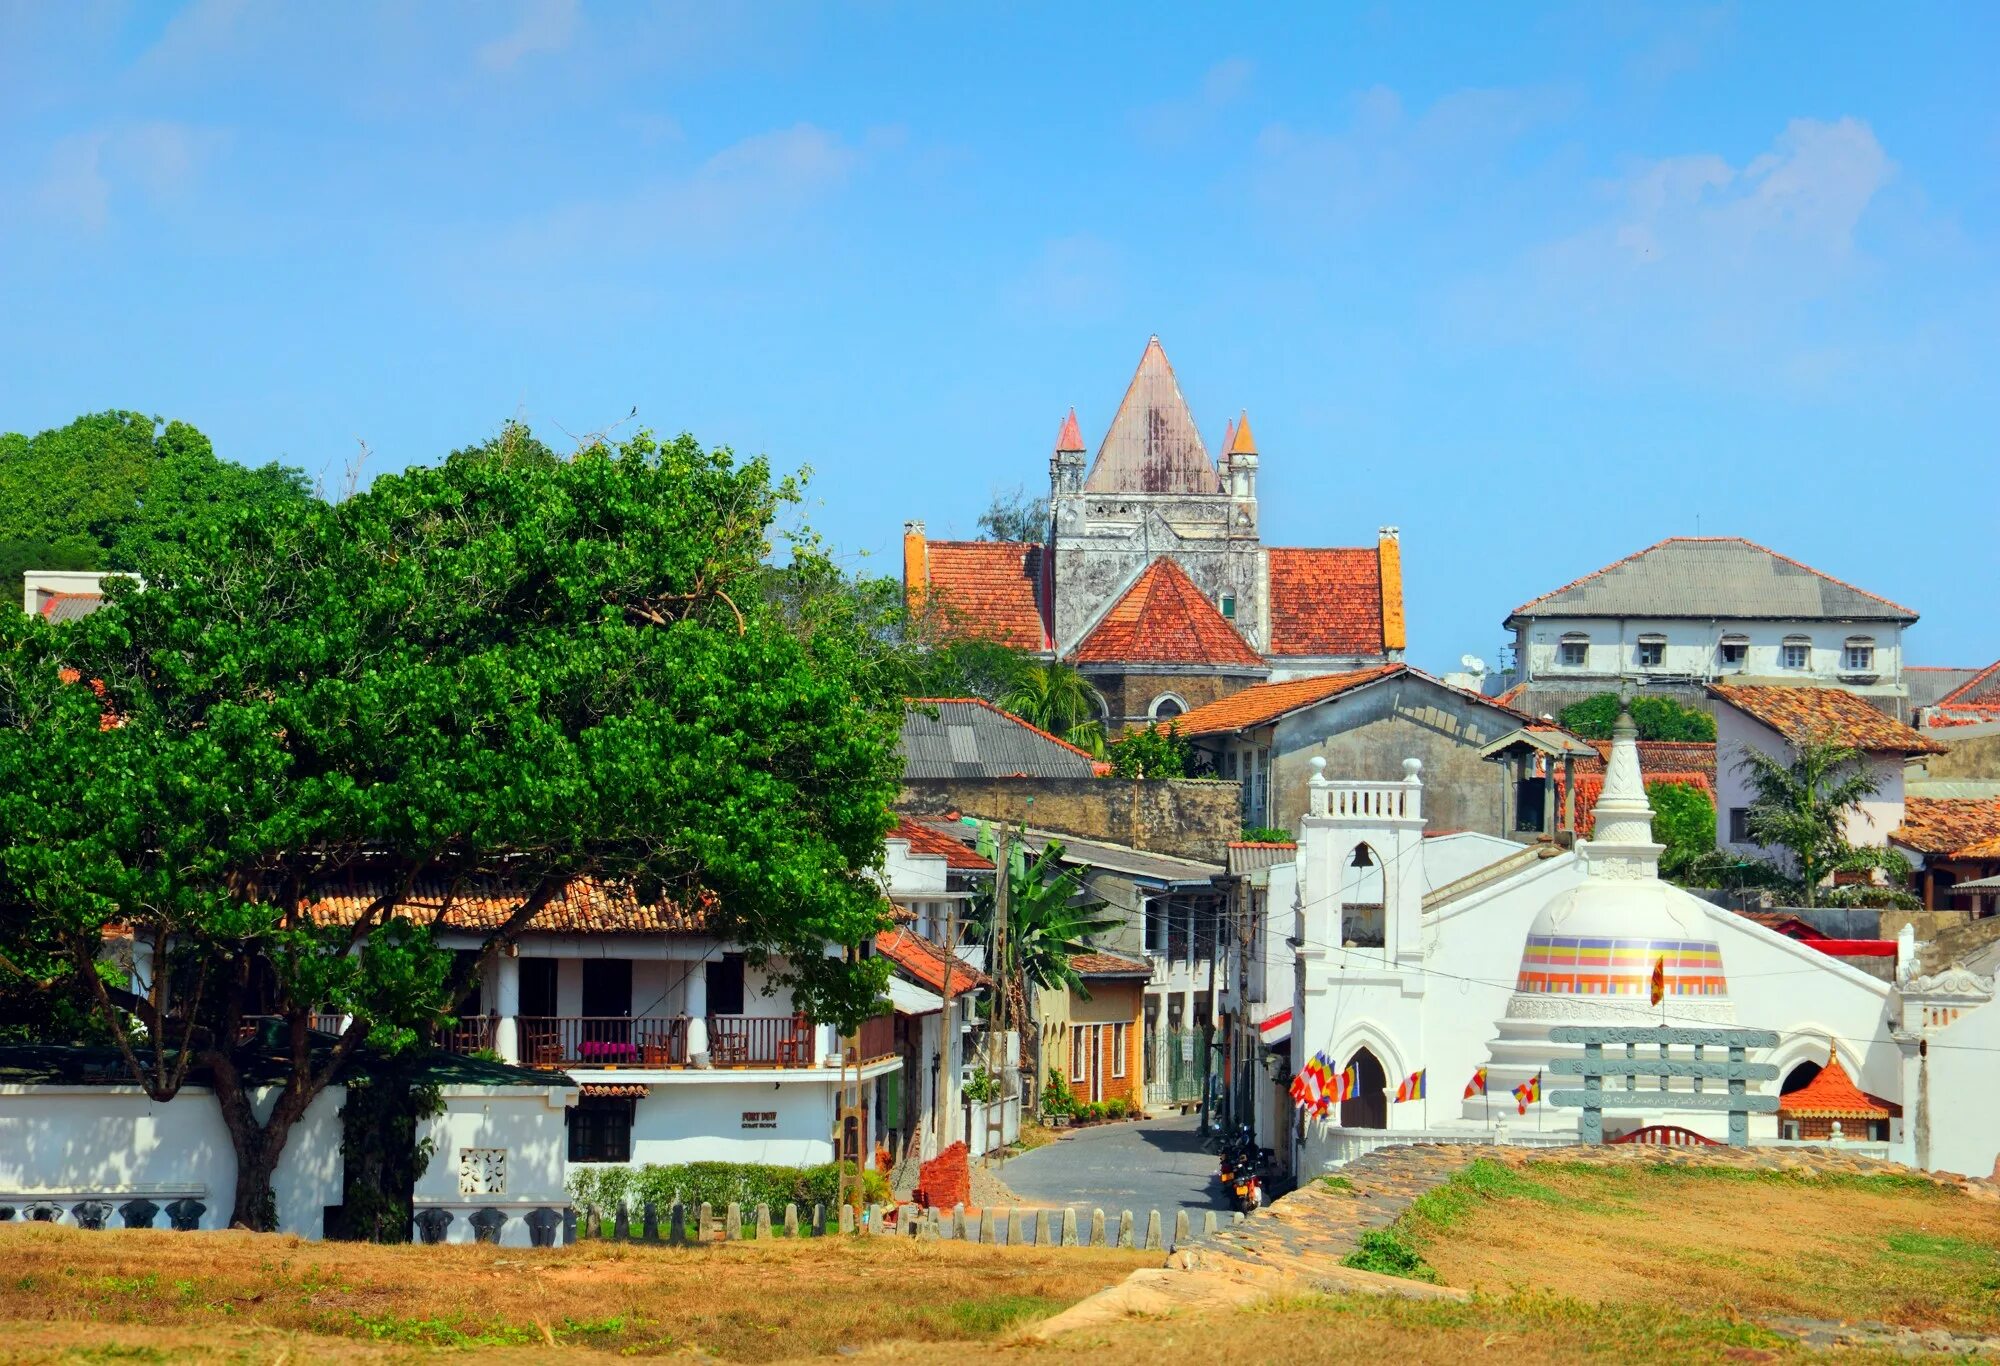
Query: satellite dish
<point x="1472" y="664"/>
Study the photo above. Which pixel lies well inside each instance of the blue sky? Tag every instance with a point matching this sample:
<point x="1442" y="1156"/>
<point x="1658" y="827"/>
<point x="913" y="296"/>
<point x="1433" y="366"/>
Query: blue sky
<point x="1540" y="285"/>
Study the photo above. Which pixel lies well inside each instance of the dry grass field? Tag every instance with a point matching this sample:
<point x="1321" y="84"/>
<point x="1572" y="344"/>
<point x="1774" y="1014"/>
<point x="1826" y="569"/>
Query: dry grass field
<point x="1566" y="1261"/>
<point x="72" y="1295"/>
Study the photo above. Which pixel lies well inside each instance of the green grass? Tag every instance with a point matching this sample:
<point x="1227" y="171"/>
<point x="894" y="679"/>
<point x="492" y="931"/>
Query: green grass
<point x="1384" y="1252"/>
<point x="1336" y="1183"/>
<point x="415" y="1332"/>
<point x="994" y="1314"/>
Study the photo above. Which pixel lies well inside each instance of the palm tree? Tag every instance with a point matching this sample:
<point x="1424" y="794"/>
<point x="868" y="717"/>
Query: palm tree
<point x="1050" y="919"/>
<point x="1061" y="701"/>
<point x="1802" y="807"/>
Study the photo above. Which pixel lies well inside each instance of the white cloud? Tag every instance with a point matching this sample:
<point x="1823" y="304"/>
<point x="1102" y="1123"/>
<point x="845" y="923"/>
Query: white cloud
<point x="87" y="170"/>
<point x="546" y="26"/>
<point x="1171" y="124"/>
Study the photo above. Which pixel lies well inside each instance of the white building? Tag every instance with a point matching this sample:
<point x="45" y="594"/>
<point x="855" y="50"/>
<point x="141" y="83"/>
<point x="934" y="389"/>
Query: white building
<point x="64" y="594"/>
<point x="1695" y="610"/>
<point x="1482" y="950"/>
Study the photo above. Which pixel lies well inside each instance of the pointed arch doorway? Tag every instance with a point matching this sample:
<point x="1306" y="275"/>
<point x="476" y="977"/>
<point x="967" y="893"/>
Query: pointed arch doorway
<point x="1370" y="1107"/>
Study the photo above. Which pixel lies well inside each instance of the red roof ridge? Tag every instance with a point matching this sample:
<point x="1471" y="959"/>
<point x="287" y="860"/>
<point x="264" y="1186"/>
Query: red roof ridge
<point x="1709" y="540"/>
<point x="1967" y="686"/>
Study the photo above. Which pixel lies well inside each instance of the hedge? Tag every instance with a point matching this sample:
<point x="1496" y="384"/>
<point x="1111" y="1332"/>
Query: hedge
<point x="749" y="1184"/>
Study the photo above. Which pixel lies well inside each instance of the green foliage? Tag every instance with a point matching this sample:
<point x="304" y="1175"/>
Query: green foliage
<point x="1050" y="919"/>
<point x="1150" y="753"/>
<point x="1265" y="834"/>
<point x="1658" y="718"/>
<point x="1802" y="806"/>
<point x="382" y="1159"/>
<point x="1380" y="1250"/>
<point x="1057" y="1098"/>
<point x="1014" y="516"/>
<point x="1683" y="821"/>
<point x="981" y="1087"/>
<point x="1060" y="700"/>
<point x="508" y="667"/>
<point x="749" y="1184"/>
<point x="119" y="490"/>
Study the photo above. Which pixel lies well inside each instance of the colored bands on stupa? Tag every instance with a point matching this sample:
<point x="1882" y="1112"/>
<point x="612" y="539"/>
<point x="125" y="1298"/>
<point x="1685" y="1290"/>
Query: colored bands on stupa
<point x="1583" y="966"/>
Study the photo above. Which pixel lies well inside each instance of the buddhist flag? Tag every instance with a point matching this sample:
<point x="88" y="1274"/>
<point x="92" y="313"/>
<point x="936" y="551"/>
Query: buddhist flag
<point x="1659" y="979"/>
<point x="1350" y="1082"/>
<point x="1477" y="1086"/>
<point x="1528" y="1092"/>
<point x="1412" y="1087"/>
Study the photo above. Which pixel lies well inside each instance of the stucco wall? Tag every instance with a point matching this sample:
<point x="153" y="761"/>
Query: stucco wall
<point x="1129" y="697"/>
<point x="703" y="1122"/>
<point x="116" y="1142"/>
<point x="1973" y="753"/>
<point x="529" y="1125"/>
<point x="1867" y="827"/>
<point x="1187" y="817"/>
<point x="1368" y="734"/>
<point x="1694" y="648"/>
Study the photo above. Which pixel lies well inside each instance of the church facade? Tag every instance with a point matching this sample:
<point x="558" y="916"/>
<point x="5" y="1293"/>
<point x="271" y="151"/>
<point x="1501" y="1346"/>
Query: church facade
<point x="1153" y="577"/>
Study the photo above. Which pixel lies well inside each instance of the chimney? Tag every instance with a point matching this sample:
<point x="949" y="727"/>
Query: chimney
<point x="1389" y="561"/>
<point x="916" y="566"/>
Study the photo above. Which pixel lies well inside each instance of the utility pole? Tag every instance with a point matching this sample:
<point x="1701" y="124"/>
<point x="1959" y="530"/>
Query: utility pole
<point x="941" y="1102"/>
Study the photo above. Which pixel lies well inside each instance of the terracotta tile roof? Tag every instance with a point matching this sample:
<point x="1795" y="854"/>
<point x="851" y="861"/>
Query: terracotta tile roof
<point x="995" y="587"/>
<point x="585" y="907"/>
<point x="1512" y="696"/>
<point x="1265" y="702"/>
<point x="1988" y="848"/>
<point x="1711" y="577"/>
<point x="1825" y="714"/>
<point x="1975" y="700"/>
<point x="1590" y="786"/>
<point x="924" y="962"/>
<point x="1947" y="825"/>
<point x="1108" y="965"/>
<point x="1326" y="601"/>
<point x="1165" y="619"/>
<point x="1833" y="1095"/>
<point x="613" y="1090"/>
<point x="1070" y="438"/>
<point x="924" y="839"/>
<point x="1660" y="757"/>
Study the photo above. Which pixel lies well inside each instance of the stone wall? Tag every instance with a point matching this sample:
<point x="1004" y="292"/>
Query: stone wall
<point x="1969" y="757"/>
<point x="1188" y="817"/>
<point x="1129" y="696"/>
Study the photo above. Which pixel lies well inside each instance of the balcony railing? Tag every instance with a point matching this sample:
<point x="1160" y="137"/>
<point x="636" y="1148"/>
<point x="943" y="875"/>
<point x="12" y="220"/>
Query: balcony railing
<point x="602" y="1040"/>
<point x="470" y="1034"/>
<point x="877" y="1038"/>
<point x="646" y="1042"/>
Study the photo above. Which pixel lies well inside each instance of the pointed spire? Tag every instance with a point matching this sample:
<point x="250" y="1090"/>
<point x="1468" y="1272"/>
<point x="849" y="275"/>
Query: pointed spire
<point x="1153" y="445"/>
<point x="1070" y="438"/>
<point x="1240" y="440"/>
<point x="1624" y="816"/>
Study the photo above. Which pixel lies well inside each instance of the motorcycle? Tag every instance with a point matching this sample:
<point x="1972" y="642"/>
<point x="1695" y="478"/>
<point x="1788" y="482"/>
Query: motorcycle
<point x="1247" y="1182"/>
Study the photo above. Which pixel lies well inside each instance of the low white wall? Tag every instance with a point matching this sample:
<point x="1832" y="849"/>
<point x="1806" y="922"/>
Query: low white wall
<point x="116" y="1143"/>
<point x="512" y="1137"/>
<point x="705" y="1122"/>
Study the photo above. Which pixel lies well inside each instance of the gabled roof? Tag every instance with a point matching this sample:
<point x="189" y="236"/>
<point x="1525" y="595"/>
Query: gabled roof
<point x="585" y="907"/>
<point x="1833" y="1095"/>
<point x="924" y="962"/>
<point x="1262" y="703"/>
<point x="1153" y="445"/>
<point x="1930" y="684"/>
<point x="1711" y="577"/>
<point x="1108" y="965"/>
<point x="922" y="839"/>
<point x="1946" y="826"/>
<point x="1658" y="757"/>
<point x="1976" y="699"/>
<point x="1164" y="619"/>
<point x="971" y="738"/>
<point x="1327" y="601"/>
<point x="1824" y="714"/>
<point x="994" y="587"/>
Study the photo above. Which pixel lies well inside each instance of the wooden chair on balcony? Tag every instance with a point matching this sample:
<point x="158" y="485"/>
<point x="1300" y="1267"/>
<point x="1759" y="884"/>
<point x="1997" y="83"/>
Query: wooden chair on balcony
<point x="728" y="1046"/>
<point x="796" y="1048"/>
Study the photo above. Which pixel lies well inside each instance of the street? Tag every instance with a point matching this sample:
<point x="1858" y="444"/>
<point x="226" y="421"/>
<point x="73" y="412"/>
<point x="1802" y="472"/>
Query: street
<point x="1152" y="1164"/>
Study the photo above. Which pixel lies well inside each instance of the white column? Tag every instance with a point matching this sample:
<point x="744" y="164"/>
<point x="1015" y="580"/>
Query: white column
<point x="507" y="1003"/>
<point x="695" y="998"/>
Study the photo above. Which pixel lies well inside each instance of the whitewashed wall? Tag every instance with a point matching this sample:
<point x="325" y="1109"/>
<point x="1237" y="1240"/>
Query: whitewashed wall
<point x="1950" y="1089"/>
<point x="702" y="1121"/>
<point x="524" y="1124"/>
<point x="1868" y="826"/>
<point x="116" y="1143"/>
<point x="1695" y="647"/>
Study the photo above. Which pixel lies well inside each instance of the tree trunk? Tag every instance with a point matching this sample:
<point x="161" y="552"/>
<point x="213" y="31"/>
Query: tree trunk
<point x="258" y="1146"/>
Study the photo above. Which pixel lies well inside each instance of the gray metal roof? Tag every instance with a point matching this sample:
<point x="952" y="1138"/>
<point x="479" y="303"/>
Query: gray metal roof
<point x="964" y="739"/>
<point x="1165" y="870"/>
<point x="1929" y="683"/>
<point x="1712" y="577"/>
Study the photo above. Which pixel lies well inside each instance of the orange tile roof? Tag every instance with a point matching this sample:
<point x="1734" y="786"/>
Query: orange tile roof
<point x="1590" y="786"/>
<point x="1824" y="714"/>
<point x="918" y="958"/>
<point x="1165" y="619"/>
<point x="1833" y="1095"/>
<point x="585" y="907"/>
<point x="925" y="840"/>
<point x="1512" y="696"/>
<point x="1326" y="601"/>
<point x="994" y="586"/>
<point x="1971" y="702"/>
<point x="1109" y="965"/>
<point x="1948" y="826"/>
<point x="1660" y="757"/>
<point x="1265" y="702"/>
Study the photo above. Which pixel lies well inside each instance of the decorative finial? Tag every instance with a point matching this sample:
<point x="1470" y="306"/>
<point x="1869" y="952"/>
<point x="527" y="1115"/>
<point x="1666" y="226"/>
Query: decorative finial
<point x="1413" y="766"/>
<point x="1318" y="763"/>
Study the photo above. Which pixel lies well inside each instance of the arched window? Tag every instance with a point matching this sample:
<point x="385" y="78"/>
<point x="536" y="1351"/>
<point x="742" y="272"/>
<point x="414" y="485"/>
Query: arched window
<point x="1735" y="650"/>
<point x="1652" y="651"/>
<point x="1370" y="1107"/>
<point x="1166" y="707"/>
<point x="1858" y="655"/>
<point x="1574" y="650"/>
<point x="1795" y="653"/>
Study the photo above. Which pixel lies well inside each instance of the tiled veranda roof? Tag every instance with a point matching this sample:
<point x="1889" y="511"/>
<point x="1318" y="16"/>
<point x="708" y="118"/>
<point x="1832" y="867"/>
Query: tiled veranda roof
<point x="1824" y="714"/>
<point x="924" y="962"/>
<point x="1949" y="825"/>
<point x="584" y="907"/>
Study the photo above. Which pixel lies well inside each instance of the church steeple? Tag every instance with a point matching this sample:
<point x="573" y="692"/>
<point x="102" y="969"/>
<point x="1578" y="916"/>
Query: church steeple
<point x="1153" y="445"/>
<point x="1066" y="462"/>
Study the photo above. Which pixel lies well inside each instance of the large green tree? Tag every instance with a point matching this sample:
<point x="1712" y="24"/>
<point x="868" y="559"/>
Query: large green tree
<point x="1802" y="806"/>
<point x="115" y="490"/>
<point x="509" y="669"/>
<point x="1657" y="717"/>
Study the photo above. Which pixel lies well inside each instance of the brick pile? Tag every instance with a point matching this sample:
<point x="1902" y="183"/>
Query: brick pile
<point x="946" y="1180"/>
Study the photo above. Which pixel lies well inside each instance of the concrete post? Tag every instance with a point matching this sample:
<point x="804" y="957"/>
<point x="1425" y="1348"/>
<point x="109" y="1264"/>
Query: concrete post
<point x="732" y="1222"/>
<point x="958" y="1222"/>
<point x="791" y="1219"/>
<point x="1097" y="1228"/>
<point x="847" y="1218"/>
<point x="1180" y="1228"/>
<point x="763" y="1223"/>
<point x="1069" y="1228"/>
<point x="1125" y="1229"/>
<point x="1153" y="1231"/>
<point x="1042" y="1228"/>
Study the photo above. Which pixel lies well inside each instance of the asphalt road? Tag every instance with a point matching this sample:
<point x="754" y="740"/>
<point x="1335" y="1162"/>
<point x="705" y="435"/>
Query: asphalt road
<point x="1150" y="1164"/>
